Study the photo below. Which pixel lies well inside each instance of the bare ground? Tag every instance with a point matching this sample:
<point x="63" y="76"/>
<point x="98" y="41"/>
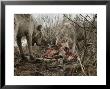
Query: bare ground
<point x="46" y="67"/>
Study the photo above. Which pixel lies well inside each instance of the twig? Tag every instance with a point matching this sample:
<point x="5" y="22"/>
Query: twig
<point x="88" y="21"/>
<point x="82" y="67"/>
<point x="75" y="22"/>
<point x="79" y="59"/>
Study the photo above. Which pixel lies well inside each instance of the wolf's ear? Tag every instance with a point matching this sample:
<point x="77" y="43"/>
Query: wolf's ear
<point x="39" y="27"/>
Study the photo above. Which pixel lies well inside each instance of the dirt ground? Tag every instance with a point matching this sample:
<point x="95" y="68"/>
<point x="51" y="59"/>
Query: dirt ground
<point x="44" y="67"/>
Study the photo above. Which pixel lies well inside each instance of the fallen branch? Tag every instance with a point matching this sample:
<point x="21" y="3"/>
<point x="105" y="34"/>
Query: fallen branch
<point x="79" y="59"/>
<point x="82" y="67"/>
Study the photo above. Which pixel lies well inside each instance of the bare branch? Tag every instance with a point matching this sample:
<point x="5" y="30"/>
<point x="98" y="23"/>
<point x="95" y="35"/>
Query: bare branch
<point x="88" y="21"/>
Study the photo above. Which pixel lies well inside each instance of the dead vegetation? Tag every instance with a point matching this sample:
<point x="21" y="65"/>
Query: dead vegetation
<point x="68" y="47"/>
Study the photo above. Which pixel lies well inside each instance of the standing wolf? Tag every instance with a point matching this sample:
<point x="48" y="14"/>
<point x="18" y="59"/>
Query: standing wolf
<point x="25" y="26"/>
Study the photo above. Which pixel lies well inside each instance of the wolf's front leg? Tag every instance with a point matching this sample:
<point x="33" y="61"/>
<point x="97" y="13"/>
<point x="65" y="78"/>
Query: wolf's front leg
<point x="29" y="41"/>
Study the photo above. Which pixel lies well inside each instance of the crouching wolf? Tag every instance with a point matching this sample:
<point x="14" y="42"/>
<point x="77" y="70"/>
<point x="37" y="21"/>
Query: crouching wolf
<point x="25" y="26"/>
